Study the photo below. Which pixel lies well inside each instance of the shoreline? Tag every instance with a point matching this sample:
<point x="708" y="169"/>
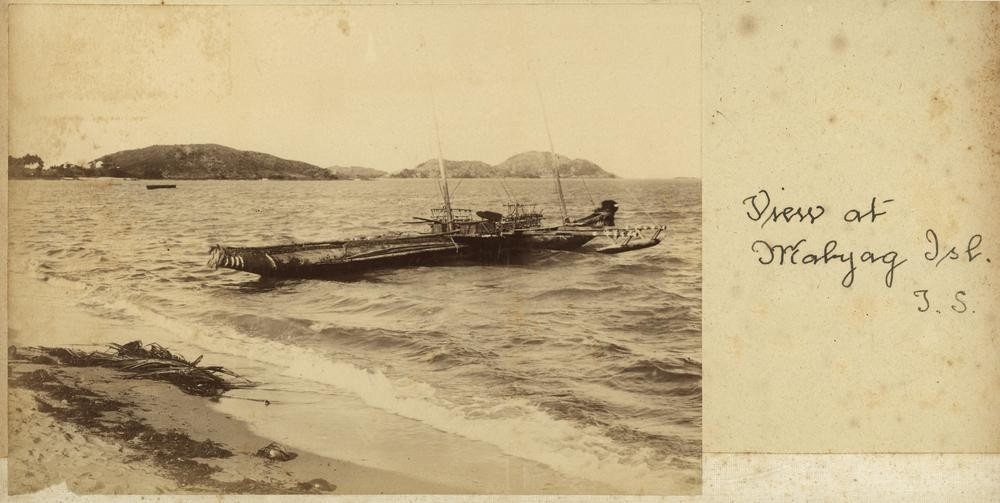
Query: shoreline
<point x="315" y="416"/>
<point x="102" y="433"/>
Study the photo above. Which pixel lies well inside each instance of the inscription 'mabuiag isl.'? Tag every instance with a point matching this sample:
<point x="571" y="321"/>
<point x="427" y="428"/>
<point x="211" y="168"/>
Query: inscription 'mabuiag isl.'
<point x="761" y="209"/>
<point x="793" y="254"/>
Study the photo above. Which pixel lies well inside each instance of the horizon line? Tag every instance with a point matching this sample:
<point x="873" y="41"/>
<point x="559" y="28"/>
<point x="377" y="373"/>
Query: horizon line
<point x="331" y="167"/>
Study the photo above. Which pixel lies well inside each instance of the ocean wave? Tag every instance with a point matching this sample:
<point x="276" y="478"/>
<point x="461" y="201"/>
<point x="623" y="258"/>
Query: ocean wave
<point x="634" y="268"/>
<point x="666" y="444"/>
<point x="662" y="371"/>
<point x="514" y="424"/>
<point x="610" y="349"/>
<point x="573" y="293"/>
<point x="682" y="322"/>
<point x="456" y="356"/>
<point x="579" y="409"/>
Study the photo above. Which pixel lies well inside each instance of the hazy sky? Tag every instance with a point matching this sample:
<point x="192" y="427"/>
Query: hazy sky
<point x="354" y="86"/>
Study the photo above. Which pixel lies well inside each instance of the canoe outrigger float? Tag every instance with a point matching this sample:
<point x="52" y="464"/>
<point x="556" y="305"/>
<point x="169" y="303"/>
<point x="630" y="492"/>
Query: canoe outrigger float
<point x="455" y="236"/>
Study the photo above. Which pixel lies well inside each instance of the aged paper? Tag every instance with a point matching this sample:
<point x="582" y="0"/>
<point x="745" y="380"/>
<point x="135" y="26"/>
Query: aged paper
<point x="827" y="105"/>
<point x="844" y="275"/>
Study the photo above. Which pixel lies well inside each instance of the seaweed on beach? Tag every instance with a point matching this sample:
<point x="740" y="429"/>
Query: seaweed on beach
<point x="155" y="362"/>
<point x="192" y="463"/>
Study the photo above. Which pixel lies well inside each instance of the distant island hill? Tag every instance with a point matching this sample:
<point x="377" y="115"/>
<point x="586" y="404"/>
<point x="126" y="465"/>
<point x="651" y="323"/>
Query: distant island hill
<point x="217" y="162"/>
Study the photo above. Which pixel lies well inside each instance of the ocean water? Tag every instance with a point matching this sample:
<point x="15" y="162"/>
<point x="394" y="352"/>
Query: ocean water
<point x="578" y="364"/>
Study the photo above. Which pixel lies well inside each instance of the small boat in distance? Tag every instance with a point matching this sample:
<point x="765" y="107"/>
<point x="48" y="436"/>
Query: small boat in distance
<point x="161" y="186"/>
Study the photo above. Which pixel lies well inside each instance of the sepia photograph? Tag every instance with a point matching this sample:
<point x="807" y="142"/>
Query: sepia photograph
<point x="355" y="250"/>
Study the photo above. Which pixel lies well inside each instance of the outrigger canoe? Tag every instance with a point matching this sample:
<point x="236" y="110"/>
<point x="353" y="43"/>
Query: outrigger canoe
<point x="483" y="237"/>
<point x="455" y="236"/>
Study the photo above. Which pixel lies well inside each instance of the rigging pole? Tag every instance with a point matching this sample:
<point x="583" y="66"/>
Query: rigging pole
<point x="449" y="218"/>
<point x="552" y="151"/>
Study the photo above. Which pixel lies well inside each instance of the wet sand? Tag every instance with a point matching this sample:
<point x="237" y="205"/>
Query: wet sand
<point x="101" y="433"/>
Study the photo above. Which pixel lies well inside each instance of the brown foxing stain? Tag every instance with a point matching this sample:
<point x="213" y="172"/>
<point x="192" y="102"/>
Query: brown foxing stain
<point x="874" y="398"/>
<point x="61" y="127"/>
<point x="952" y="226"/>
<point x="939" y="104"/>
<point x="951" y="362"/>
<point x="832" y="119"/>
<point x="736" y="347"/>
<point x="167" y="29"/>
<point x="211" y="30"/>
<point x="839" y="42"/>
<point x="325" y="17"/>
<point x="748" y="25"/>
<point x="107" y="119"/>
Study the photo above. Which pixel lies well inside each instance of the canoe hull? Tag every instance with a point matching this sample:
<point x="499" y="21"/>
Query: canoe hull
<point x="549" y="240"/>
<point x="352" y="258"/>
<point x="336" y="258"/>
<point x="484" y="241"/>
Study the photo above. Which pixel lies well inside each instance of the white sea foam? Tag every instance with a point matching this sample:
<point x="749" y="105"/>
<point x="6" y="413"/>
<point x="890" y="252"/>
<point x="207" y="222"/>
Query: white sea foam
<point x="514" y="426"/>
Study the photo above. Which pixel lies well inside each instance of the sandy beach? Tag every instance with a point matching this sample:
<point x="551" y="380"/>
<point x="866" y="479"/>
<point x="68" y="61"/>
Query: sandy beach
<point x="102" y="433"/>
<point x="337" y="437"/>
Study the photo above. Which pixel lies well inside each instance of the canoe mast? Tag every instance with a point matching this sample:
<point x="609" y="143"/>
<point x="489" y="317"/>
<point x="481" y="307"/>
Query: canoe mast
<point x="449" y="217"/>
<point x="552" y="153"/>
